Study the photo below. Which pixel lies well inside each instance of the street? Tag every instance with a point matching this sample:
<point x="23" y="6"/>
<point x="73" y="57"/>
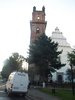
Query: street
<point x="33" y="94"/>
<point x="4" y="96"/>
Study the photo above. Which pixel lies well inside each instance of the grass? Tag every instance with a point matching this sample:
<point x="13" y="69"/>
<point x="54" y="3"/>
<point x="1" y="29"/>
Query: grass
<point x="63" y="94"/>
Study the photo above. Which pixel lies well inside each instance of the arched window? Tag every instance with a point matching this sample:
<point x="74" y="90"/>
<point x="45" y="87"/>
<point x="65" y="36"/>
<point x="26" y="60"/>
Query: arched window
<point x="37" y="30"/>
<point x="38" y="17"/>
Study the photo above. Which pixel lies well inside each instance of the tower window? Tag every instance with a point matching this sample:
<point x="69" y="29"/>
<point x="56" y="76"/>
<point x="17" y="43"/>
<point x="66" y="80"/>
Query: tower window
<point x="37" y="30"/>
<point x="38" y="17"/>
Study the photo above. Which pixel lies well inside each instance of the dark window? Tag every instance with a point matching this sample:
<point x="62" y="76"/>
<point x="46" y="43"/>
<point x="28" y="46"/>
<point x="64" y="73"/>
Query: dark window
<point x="60" y="79"/>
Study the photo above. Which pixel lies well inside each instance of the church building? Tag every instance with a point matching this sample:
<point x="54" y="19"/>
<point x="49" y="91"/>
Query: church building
<point x="38" y="27"/>
<point x="63" y="45"/>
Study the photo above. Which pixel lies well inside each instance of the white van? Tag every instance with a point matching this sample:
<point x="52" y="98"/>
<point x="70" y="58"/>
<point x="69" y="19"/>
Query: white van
<point x="17" y="83"/>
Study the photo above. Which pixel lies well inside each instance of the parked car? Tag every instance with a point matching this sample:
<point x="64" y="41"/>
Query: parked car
<point x="17" y="83"/>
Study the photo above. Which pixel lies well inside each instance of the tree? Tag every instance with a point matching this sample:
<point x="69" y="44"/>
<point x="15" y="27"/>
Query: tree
<point x="45" y="55"/>
<point x="69" y="75"/>
<point x="13" y="63"/>
<point x="71" y="59"/>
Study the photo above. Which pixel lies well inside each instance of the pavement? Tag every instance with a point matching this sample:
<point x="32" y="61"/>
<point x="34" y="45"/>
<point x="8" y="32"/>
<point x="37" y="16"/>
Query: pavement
<point x="38" y="95"/>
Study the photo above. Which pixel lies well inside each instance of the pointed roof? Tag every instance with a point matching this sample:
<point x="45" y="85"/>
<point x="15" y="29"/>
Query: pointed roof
<point x="58" y="37"/>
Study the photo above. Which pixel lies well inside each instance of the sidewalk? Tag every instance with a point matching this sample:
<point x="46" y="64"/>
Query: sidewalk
<point x="40" y="95"/>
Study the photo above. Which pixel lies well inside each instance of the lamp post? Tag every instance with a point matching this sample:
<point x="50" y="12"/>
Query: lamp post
<point x="72" y="76"/>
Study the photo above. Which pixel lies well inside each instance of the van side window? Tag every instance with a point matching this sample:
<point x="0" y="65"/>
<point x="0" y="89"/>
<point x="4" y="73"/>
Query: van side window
<point x="21" y="74"/>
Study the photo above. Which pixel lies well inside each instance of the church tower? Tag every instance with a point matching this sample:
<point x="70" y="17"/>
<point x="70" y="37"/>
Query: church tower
<point x="37" y="24"/>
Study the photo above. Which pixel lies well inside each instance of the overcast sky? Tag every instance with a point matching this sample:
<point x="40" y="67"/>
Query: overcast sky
<point x="15" y="16"/>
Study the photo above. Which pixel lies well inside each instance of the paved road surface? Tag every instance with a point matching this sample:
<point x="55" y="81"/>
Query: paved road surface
<point x="40" y="96"/>
<point x="3" y="96"/>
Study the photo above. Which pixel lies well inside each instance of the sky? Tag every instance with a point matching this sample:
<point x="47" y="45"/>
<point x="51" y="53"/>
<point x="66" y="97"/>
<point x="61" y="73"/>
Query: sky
<point x="15" y="16"/>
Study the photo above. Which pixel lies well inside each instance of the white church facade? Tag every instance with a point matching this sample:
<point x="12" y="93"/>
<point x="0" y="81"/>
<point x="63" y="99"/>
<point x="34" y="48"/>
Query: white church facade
<point x="63" y="45"/>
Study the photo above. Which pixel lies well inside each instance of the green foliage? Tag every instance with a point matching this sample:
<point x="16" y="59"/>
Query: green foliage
<point x="14" y="63"/>
<point x="62" y="94"/>
<point x="69" y="74"/>
<point x="0" y="76"/>
<point x="71" y="58"/>
<point x="43" y="53"/>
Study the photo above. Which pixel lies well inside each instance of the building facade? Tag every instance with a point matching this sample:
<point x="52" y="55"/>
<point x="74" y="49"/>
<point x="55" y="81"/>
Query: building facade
<point x="63" y="45"/>
<point x="38" y="27"/>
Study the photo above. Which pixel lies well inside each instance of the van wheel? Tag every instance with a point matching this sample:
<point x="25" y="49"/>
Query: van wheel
<point x="23" y="95"/>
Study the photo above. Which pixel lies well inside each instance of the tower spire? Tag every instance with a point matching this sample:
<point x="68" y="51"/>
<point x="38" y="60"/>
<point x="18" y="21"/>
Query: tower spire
<point x="34" y="8"/>
<point x="43" y="8"/>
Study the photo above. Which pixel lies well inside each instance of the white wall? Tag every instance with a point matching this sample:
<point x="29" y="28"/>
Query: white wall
<point x="58" y="37"/>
